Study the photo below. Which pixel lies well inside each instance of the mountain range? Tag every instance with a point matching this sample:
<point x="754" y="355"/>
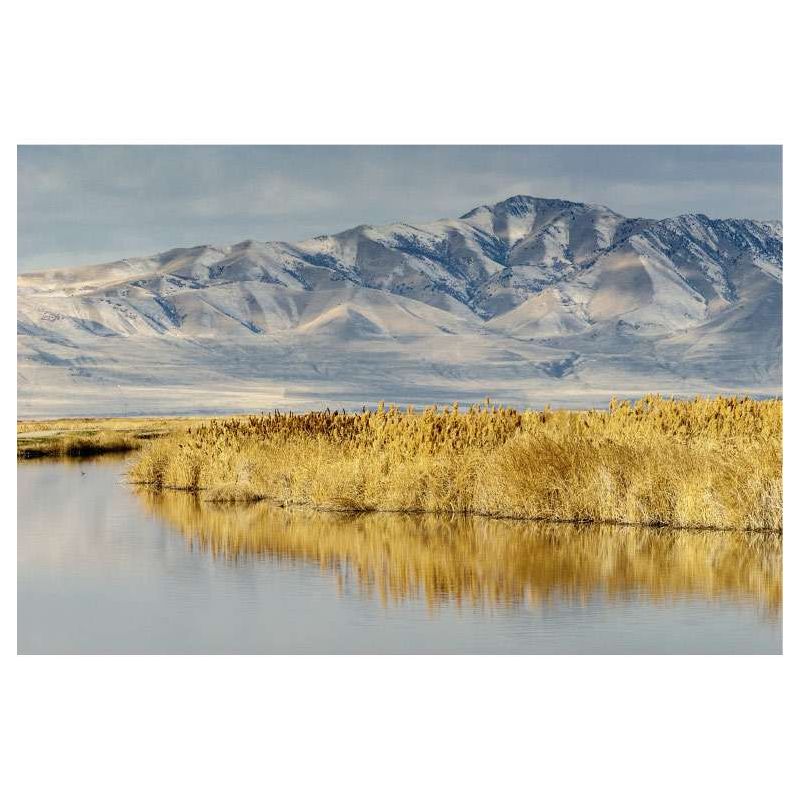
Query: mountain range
<point x="527" y="301"/>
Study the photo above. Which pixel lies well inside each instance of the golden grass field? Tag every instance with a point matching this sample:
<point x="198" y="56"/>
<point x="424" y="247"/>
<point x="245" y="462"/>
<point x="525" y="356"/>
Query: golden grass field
<point x="474" y="561"/>
<point x="90" y="436"/>
<point x="702" y="463"/>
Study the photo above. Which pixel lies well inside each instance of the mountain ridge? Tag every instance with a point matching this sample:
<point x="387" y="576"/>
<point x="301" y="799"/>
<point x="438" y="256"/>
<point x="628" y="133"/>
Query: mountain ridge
<point x="513" y="288"/>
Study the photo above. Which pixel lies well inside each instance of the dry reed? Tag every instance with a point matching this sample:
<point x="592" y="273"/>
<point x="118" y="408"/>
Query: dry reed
<point x="706" y="463"/>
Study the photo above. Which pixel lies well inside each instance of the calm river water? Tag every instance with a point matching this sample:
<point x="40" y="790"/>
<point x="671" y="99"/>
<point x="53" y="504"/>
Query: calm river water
<point x="104" y="568"/>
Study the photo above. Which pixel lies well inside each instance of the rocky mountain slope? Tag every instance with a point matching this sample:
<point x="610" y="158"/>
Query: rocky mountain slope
<point x="529" y="301"/>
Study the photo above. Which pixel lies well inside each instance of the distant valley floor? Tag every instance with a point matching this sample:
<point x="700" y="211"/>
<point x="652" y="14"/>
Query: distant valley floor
<point x="120" y="376"/>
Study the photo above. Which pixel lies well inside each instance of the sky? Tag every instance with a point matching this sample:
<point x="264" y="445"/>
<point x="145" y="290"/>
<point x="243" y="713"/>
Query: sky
<point x="92" y="204"/>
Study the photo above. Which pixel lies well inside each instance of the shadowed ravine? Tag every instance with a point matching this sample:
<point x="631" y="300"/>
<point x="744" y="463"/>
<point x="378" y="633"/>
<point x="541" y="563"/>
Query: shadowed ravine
<point x="484" y="562"/>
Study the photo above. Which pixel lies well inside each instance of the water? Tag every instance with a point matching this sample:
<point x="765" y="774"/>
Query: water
<point x="103" y="568"/>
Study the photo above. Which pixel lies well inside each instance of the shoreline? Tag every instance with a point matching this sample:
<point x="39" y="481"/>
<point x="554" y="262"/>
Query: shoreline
<point x="273" y="502"/>
<point x="79" y="437"/>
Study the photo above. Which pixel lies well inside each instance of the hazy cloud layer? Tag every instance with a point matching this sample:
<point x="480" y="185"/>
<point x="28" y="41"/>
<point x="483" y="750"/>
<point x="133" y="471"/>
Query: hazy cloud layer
<point x="79" y="205"/>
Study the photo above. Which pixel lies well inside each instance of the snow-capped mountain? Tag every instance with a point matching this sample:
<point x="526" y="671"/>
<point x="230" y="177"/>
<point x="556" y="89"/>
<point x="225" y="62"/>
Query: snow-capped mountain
<point x="529" y="300"/>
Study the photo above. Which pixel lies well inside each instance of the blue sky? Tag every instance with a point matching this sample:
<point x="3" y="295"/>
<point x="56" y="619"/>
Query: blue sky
<point x="90" y="204"/>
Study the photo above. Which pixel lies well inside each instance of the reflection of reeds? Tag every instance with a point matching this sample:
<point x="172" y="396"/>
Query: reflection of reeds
<point x="482" y="561"/>
<point x="702" y="463"/>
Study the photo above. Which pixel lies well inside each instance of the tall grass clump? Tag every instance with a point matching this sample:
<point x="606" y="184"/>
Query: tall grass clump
<point x="711" y="463"/>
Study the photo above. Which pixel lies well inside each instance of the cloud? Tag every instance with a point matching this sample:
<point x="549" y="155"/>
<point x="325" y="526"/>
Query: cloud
<point x="78" y="204"/>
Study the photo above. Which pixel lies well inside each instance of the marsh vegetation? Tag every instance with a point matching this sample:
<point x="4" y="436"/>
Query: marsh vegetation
<point x="702" y="463"/>
<point x="91" y="435"/>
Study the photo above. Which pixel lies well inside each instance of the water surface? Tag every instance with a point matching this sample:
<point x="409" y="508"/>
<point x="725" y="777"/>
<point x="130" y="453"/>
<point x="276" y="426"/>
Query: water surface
<point x="104" y="568"/>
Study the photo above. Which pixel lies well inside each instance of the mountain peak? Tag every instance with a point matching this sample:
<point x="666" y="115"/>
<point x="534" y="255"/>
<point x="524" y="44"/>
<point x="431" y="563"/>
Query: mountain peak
<point x="528" y="206"/>
<point x="517" y="204"/>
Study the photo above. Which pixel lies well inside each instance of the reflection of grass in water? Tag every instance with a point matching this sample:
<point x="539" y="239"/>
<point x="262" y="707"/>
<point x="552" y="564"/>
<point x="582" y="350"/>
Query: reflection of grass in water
<point x="478" y="561"/>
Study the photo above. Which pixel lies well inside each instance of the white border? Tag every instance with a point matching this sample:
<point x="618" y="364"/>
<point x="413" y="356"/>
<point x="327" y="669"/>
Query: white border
<point x="465" y="72"/>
